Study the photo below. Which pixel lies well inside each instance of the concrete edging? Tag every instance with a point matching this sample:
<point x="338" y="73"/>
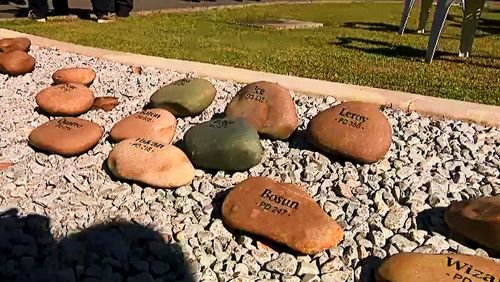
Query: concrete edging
<point x="484" y="114"/>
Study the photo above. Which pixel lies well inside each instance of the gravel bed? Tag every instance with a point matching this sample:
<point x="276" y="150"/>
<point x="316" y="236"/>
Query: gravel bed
<point x="392" y="206"/>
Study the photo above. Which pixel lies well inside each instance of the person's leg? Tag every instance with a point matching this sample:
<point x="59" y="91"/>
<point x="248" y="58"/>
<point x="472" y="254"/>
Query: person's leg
<point x="123" y="7"/>
<point x="61" y="7"/>
<point x="39" y="9"/>
<point x="100" y="7"/>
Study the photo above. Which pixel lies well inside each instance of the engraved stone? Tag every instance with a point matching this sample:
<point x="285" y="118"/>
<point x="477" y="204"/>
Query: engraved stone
<point x="65" y="99"/>
<point x="16" y="63"/>
<point x="13" y="44"/>
<point x="83" y="76"/>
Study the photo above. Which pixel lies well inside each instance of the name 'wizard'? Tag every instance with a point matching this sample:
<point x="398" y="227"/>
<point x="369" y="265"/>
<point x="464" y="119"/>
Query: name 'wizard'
<point x="268" y="194"/>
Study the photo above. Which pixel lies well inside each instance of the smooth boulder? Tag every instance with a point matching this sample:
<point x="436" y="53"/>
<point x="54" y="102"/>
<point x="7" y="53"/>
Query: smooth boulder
<point x="268" y="107"/>
<point x="155" y="124"/>
<point x="281" y="212"/>
<point x="151" y="162"/>
<point x="65" y="99"/>
<point x="106" y="104"/>
<point x="417" y="267"/>
<point x="15" y="44"/>
<point x="477" y="219"/>
<point x="354" y="130"/>
<point x="83" y="76"/>
<point x="185" y="97"/>
<point x="16" y="63"/>
<point x="223" y="144"/>
<point x="66" y="136"/>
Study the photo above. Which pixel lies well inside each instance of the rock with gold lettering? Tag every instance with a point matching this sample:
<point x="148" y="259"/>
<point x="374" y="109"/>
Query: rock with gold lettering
<point x="65" y="99"/>
<point x="83" y="76"/>
<point x="16" y="63"/>
<point x="155" y="124"/>
<point x="282" y="212"/>
<point x="13" y="44"/>
<point x="417" y="267"/>
<point x="185" y="97"/>
<point x="151" y="162"/>
<point x="477" y="219"/>
<point x="66" y="136"/>
<point x="268" y="107"/>
<point x="354" y="130"/>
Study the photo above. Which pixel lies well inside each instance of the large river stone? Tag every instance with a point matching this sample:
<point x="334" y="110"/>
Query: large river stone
<point x="16" y="63"/>
<point x="281" y="212"/>
<point x="65" y="99"/>
<point x="151" y="162"/>
<point x="83" y="76"/>
<point x="185" y="97"/>
<point x="268" y="107"/>
<point x="223" y="144"/>
<point x="477" y="219"/>
<point x="417" y="267"/>
<point x="13" y="44"/>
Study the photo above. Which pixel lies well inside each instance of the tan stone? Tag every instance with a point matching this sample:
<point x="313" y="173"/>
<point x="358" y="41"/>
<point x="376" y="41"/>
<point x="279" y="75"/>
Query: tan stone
<point x="151" y="162"/>
<point x="416" y="267"/>
<point x="105" y="103"/>
<point x="268" y="107"/>
<point x="16" y="63"/>
<point x="66" y="136"/>
<point x="15" y="44"/>
<point x="354" y="130"/>
<point x="477" y="219"/>
<point x="281" y="212"/>
<point x="155" y="124"/>
<point x="65" y="99"/>
<point x="83" y="76"/>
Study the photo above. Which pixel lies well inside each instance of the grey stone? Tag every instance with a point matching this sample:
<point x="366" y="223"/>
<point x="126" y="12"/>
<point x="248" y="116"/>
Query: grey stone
<point x="284" y="264"/>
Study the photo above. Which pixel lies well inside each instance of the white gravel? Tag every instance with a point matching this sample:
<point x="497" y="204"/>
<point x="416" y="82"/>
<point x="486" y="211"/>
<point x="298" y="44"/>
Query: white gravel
<point x="382" y="207"/>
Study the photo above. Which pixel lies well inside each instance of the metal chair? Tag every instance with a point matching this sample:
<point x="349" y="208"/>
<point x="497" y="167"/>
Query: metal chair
<point x="425" y="10"/>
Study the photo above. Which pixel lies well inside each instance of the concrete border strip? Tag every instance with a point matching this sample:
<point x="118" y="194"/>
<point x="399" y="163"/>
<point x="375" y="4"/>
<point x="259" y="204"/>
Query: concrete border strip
<point x="484" y="114"/>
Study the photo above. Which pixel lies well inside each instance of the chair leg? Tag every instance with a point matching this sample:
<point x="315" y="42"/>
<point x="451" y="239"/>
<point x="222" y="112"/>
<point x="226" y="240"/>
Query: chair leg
<point x="406" y="15"/>
<point x="472" y="15"/>
<point x="425" y="10"/>
<point x="442" y="9"/>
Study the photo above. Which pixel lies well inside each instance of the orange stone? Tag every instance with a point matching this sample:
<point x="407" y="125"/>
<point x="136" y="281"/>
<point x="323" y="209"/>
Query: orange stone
<point x="105" y="103"/>
<point x="16" y="63"/>
<point x="65" y="99"/>
<point x="15" y="44"/>
<point x="83" y="76"/>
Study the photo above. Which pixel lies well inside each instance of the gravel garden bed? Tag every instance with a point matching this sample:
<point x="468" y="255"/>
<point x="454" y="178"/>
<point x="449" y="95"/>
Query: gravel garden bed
<point x="394" y="205"/>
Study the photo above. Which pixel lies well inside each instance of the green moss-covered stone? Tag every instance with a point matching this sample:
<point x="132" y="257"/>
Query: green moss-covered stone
<point x="185" y="97"/>
<point x="223" y="144"/>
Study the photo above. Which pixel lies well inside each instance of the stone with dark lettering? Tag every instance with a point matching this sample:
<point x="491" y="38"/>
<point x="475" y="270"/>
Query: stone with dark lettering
<point x="282" y="212"/>
<point x="354" y="130"/>
<point x="151" y="162"/>
<point x="477" y="219"/>
<point x="13" y="44"/>
<point x="223" y="144"/>
<point x="16" y="63"/>
<point x="66" y="136"/>
<point x="185" y="97"/>
<point x="65" y="99"/>
<point x="268" y="107"/>
<point x="83" y="76"/>
<point x="155" y="124"/>
<point x="416" y="267"/>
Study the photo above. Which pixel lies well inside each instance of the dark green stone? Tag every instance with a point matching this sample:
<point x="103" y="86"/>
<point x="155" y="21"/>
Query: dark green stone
<point x="185" y="97"/>
<point x="223" y="144"/>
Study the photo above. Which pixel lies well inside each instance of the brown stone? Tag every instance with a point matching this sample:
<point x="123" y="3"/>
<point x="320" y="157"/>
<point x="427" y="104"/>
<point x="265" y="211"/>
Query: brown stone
<point x="16" y="63"/>
<point x="136" y="70"/>
<point x="155" y="124"/>
<point x="354" y="130"/>
<point x="4" y="166"/>
<point x="268" y="107"/>
<point x="83" y="76"/>
<point x="281" y="212"/>
<point x="151" y="162"/>
<point x="105" y="103"/>
<point x="66" y="136"/>
<point x="65" y="99"/>
<point x="477" y="219"/>
<point x="15" y="44"/>
<point x="416" y="267"/>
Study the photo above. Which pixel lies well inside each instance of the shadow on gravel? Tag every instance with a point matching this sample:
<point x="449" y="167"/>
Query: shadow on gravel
<point x="368" y="267"/>
<point x="116" y="251"/>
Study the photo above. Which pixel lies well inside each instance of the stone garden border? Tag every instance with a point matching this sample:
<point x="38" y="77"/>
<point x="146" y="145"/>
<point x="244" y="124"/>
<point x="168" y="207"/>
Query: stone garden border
<point x="438" y="107"/>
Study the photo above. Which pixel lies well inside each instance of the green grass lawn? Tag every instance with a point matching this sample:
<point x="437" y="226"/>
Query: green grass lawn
<point x="358" y="45"/>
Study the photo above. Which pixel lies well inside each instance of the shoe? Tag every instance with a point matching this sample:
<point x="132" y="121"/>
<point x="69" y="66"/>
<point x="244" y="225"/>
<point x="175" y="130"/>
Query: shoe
<point x="32" y="15"/>
<point x="105" y="19"/>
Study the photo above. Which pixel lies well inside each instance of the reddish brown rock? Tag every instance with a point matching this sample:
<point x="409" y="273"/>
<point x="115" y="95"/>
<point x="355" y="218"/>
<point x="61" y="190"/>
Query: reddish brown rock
<point x="65" y="99"/>
<point x="151" y="162"/>
<point x="268" y="107"/>
<point x="477" y="219"/>
<point x="136" y="70"/>
<point x="354" y="130"/>
<point x="416" y="267"/>
<point x="155" y="124"/>
<point x="16" y="63"/>
<point x="281" y="212"/>
<point x="15" y="44"/>
<point x="105" y="103"/>
<point x="66" y="136"/>
<point x="4" y="166"/>
<point x="83" y="76"/>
